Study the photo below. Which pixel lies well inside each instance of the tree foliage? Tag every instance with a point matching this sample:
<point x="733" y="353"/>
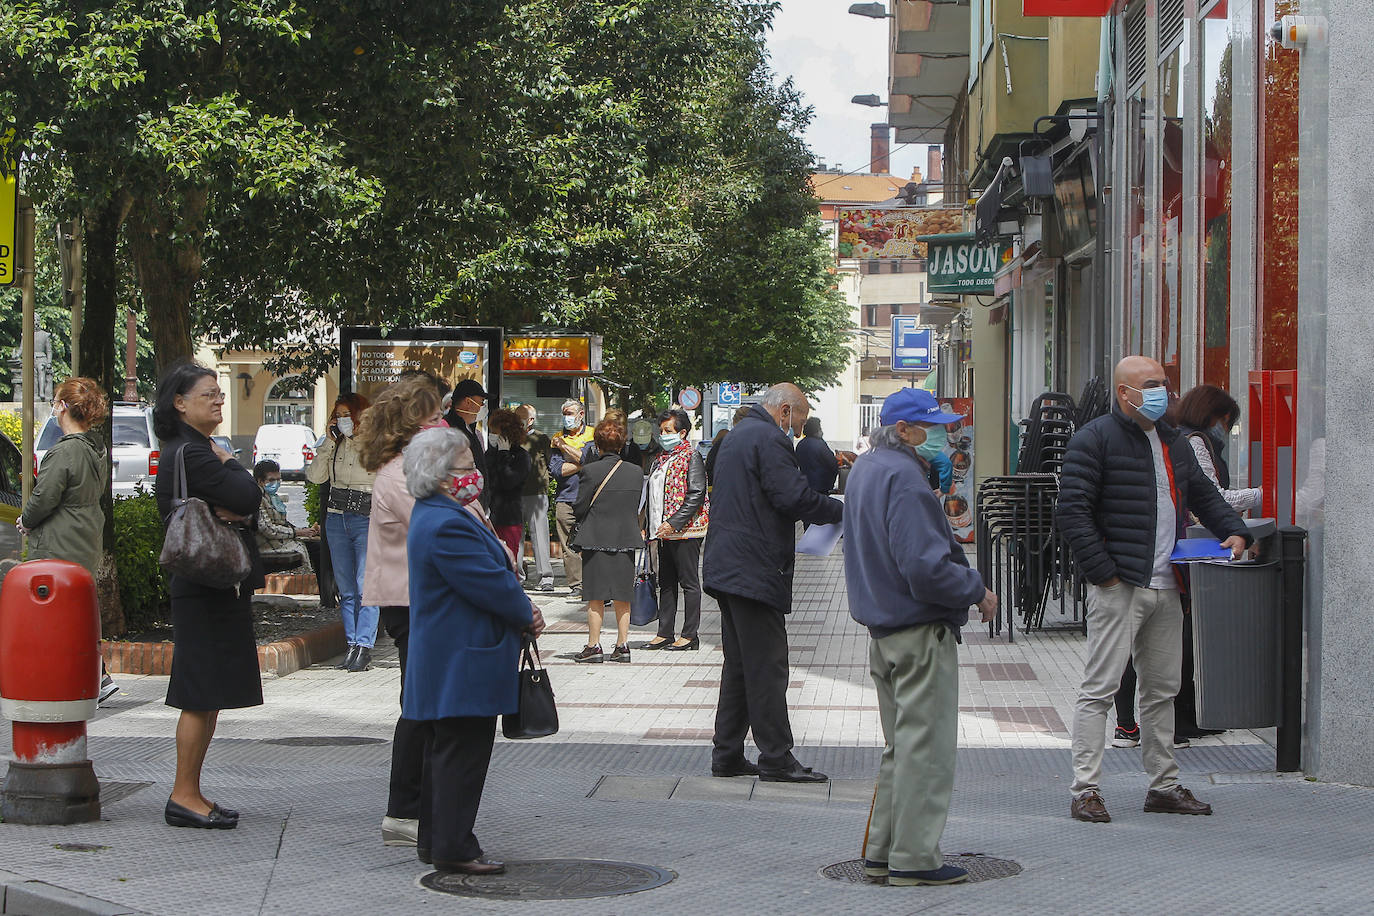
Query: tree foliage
<point x="280" y="167"/>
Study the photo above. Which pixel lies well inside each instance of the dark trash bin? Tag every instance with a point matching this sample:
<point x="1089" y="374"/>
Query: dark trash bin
<point x="1237" y="631"/>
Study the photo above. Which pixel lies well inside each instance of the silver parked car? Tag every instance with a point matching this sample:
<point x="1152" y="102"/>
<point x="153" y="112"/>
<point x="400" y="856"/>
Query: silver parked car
<point x="135" y="446"/>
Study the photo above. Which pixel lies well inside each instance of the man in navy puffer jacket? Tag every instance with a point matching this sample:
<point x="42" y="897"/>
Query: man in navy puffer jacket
<point x="1127" y="487"/>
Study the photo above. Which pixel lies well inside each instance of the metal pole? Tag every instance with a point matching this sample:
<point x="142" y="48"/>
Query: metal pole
<point x="26" y="251"/>
<point x="131" y="358"/>
<point x="1293" y="557"/>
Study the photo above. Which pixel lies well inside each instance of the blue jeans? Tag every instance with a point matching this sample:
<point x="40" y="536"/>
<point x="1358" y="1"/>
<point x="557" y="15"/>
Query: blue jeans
<point x="347" y="534"/>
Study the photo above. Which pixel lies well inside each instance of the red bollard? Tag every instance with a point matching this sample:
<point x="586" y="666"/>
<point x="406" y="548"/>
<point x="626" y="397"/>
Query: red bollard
<point x="49" y="684"/>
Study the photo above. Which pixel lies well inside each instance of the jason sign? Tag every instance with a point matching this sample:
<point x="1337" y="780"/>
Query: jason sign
<point x="958" y="264"/>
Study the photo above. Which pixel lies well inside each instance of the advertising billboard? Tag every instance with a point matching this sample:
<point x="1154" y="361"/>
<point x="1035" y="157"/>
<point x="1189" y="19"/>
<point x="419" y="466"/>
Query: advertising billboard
<point x="892" y="233"/>
<point x="370" y="359"/>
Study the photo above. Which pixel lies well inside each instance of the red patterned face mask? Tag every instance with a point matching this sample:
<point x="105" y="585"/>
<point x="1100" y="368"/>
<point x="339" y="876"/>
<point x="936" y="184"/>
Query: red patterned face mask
<point x="467" y="488"/>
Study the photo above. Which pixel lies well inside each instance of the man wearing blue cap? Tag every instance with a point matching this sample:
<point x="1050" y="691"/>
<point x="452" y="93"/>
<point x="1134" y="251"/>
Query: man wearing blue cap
<point x="911" y="585"/>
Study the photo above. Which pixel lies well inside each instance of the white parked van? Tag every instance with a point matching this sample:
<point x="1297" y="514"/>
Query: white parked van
<point x="290" y="445"/>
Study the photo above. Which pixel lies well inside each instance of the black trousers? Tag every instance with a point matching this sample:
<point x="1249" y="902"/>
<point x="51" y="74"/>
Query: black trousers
<point x="459" y="755"/>
<point x="1185" y="704"/>
<point x="679" y="566"/>
<point x="409" y="747"/>
<point x="753" y="684"/>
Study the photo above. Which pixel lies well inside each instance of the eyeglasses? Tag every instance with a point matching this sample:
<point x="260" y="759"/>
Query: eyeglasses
<point x="215" y="396"/>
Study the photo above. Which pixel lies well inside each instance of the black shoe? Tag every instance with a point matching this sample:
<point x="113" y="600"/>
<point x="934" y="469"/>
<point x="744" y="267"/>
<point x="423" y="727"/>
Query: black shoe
<point x="691" y="645"/>
<point x="471" y="867"/>
<point x="225" y="812"/>
<point x="177" y="816"/>
<point x="795" y="773"/>
<point x="590" y="655"/>
<point x="740" y="767"/>
<point x="620" y="654"/>
<point x="422" y="853"/>
<point x="652" y="646"/>
<point x="1196" y="732"/>
<point x="362" y="660"/>
<point x="349" y="656"/>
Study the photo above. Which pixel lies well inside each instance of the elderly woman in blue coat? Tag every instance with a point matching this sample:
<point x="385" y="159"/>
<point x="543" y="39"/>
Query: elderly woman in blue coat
<point x="468" y="613"/>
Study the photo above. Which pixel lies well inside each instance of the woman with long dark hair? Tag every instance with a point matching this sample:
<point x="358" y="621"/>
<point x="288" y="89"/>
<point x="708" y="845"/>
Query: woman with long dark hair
<point x="215" y="656"/>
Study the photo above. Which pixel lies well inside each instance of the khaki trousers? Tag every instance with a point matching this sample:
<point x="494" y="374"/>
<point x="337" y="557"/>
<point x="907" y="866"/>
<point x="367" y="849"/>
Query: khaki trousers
<point x="564" y="520"/>
<point x="1126" y="622"/>
<point x="916" y="672"/>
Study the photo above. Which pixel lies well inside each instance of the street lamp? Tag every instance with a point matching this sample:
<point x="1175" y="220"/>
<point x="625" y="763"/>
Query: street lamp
<point x="870" y="10"/>
<point x="869" y="101"/>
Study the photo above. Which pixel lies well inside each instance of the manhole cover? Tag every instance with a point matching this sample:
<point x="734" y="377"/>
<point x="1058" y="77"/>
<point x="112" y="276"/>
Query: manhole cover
<point x="324" y="741"/>
<point x="978" y="866"/>
<point x="554" y="879"/>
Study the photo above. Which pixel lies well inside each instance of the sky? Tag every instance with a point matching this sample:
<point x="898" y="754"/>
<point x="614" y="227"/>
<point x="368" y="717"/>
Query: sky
<point x="832" y="56"/>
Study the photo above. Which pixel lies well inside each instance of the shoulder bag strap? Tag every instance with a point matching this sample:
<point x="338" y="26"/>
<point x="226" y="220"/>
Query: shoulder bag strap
<point x="181" y="490"/>
<point x="615" y="468"/>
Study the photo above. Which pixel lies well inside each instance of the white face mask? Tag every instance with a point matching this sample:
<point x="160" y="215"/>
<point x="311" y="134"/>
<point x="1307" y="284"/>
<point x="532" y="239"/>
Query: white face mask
<point x="345" y="425"/>
<point x="571" y="421"/>
<point x="531" y="422"/>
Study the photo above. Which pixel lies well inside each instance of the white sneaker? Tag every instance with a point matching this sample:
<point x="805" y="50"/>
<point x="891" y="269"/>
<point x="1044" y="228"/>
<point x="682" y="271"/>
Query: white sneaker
<point x="108" y="688"/>
<point x="399" y="831"/>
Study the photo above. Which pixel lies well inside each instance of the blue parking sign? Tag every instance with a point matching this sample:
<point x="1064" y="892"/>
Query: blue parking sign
<point x="728" y="394"/>
<point x="911" y="345"/>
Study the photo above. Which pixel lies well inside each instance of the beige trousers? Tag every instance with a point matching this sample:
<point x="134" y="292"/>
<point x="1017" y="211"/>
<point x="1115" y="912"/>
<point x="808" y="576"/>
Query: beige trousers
<point x="916" y="672"/>
<point x="564" y="520"/>
<point x="1126" y="622"/>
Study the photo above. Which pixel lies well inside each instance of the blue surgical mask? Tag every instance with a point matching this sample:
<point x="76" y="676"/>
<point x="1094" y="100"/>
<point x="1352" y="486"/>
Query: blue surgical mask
<point x="936" y="439"/>
<point x="570" y="422"/>
<point x="271" y="488"/>
<point x="670" y="441"/>
<point x="1153" y="402"/>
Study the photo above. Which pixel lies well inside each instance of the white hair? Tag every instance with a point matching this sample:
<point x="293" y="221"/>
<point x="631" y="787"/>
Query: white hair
<point x="429" y="456"/>
<point x="784" y="395"/>
<point x="886" y="437"/>
<point x="575" y="405"/>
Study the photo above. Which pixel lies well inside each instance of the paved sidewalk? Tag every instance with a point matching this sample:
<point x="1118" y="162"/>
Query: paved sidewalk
<point x="626" y="779"/>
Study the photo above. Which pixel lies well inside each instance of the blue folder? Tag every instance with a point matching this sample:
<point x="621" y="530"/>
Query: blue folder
<point x="1193" y="550"/>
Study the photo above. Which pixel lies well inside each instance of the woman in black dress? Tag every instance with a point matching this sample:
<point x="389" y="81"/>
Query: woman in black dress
<point x="608" y="534"/>
<point x="215" y="658"/>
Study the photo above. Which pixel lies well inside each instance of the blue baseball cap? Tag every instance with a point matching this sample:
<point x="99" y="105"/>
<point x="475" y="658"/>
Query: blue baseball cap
<point x="914" y="405"/>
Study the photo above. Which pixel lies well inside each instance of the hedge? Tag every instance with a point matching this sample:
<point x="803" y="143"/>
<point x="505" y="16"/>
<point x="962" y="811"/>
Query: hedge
<point x="138" y="544"/>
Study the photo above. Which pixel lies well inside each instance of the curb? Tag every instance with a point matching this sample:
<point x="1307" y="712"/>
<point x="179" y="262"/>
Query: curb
<point x="25" y="898"/>
<point x="276" y="659"/>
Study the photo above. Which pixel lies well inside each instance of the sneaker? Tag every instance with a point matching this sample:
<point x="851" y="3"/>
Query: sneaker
<point x="399" y="831"/>
<point x="1126" y="737"/>
<point x="875" y="869"/>
<point x="546" y="585"/>
<point x="945" y="874"/>
<point x="591" y="655"/>
<point x="574" y="591"/>
<point x="108" y="688"/>
<point x="621" y="654"/>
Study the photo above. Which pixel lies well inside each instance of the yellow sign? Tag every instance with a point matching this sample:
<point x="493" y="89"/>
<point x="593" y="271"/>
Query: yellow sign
<point x="9" y="228"/>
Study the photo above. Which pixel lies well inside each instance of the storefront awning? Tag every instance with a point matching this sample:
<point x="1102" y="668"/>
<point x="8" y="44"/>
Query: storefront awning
<point x="1092" y="9"/>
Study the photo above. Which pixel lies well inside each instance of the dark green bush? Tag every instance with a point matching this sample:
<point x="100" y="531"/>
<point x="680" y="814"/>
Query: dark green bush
<point x="138" y="544"/>
<point x="312" y="504"/>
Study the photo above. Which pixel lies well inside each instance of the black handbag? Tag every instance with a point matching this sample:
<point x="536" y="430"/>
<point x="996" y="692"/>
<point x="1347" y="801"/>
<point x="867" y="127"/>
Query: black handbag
<point x="644" y="602"/>
<point x="536" y="716"/>
<point x="198" y="545"/>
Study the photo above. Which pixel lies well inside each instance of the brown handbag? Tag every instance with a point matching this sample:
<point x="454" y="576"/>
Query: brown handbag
<point x="198" y="545"/>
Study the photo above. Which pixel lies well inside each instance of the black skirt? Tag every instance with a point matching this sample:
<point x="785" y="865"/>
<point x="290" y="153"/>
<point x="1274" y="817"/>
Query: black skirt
<point x="215" y="659"/>
<point x="608" y="575"/>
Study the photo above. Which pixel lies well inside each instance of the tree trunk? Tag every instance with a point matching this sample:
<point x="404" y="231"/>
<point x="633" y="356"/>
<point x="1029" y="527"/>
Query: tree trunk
<point x="97" y="348"/>
<point x="165" y="246"/>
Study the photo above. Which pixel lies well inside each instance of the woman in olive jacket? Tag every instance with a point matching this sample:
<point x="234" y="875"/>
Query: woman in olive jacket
<point x="63" y="518"/>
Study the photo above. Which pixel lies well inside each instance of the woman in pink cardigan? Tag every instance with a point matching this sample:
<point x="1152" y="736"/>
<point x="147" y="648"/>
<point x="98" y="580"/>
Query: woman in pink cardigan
<point x="395" y="417"/>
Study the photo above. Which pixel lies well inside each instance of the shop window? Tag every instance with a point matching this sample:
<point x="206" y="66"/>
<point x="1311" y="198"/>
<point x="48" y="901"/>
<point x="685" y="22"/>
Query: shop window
<point x="1171" y="209"/>
<point x="1278" y="230"/>
<point x="291" y="400"/>
<point x="1215" y="186"/>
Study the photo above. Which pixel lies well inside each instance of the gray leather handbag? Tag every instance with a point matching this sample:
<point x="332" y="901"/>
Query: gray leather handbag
<point x="198" y="545"/>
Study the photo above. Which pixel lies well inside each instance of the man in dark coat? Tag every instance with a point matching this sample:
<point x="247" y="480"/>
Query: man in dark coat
<point x="816" y="459"/>
<point x="758" y="495"/>
<point x="467" y="410"/>
<point x="1127" y="487"/>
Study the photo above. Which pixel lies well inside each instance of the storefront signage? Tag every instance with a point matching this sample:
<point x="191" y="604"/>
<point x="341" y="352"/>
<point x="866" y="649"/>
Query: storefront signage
<point x="550" y="355"/>
<point x="1092" y="9"/>
<point x="9" y="220"/>
<point x="958" y="264"/>
<point x="378" y="363"/>
<point x="893" y="233"/>
<point x="911" y="345"/>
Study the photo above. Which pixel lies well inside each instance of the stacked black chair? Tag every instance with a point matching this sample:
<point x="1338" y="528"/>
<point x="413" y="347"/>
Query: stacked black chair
<point x="1019" y="553"/>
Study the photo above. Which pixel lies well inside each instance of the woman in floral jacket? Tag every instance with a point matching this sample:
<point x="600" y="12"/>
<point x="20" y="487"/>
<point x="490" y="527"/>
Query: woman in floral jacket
<point x="278" y="539"/>
<point x="677" y="510"/>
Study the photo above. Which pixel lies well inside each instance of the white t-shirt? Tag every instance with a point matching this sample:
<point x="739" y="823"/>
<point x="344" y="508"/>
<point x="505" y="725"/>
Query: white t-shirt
<point x="657" y="481"/>
<point x="1166" y="518"/>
